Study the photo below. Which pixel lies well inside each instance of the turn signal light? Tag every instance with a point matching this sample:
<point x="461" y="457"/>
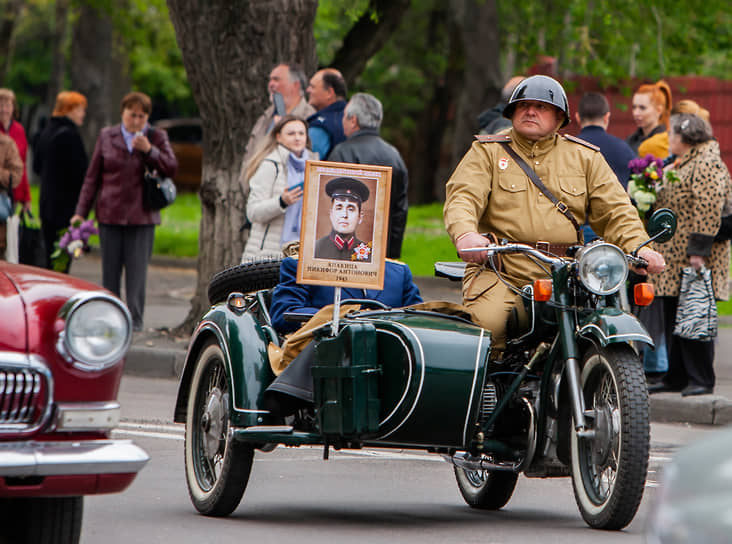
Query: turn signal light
<point x="542" y="290"/>
<point x="643" y="294"/>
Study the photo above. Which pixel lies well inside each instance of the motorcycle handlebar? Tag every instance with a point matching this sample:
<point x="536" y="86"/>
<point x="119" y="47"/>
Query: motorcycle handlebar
<point x="492" y="249"/>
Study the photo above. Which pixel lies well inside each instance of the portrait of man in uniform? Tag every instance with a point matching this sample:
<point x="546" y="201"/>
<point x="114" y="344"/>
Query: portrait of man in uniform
<point x="347" y="196"/>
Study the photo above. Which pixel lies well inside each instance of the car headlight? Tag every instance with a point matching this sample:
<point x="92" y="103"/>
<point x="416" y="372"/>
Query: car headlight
<point x="97" y="331"/>
<point x="602" y="268"/>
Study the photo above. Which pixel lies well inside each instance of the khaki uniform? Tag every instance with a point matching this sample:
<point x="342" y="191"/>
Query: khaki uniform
<point x="488" y="192"/>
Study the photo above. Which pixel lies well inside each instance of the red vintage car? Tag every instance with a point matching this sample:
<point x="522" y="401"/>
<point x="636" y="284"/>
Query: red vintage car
<point x="63" y="343"/>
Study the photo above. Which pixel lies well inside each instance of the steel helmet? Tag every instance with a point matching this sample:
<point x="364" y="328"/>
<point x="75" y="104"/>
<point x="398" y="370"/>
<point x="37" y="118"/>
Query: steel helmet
<point x="541" y="89"/>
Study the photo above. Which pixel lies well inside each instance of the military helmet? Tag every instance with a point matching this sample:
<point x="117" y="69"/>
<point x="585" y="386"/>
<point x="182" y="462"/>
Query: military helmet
<point x="541" y="89"/>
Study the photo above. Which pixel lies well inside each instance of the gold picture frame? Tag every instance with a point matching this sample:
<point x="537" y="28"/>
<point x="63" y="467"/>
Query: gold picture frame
<point x="331" y="251"/>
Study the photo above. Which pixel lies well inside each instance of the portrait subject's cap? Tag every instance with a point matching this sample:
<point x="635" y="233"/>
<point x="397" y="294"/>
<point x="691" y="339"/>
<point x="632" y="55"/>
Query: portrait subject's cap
<point x="347" y="188"/>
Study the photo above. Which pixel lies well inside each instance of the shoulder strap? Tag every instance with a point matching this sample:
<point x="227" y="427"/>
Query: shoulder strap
<point x="580" y="141"/>
<point x="277" y="166"/>
<point x="489" y="138"/>
<point x="561" y="206"/>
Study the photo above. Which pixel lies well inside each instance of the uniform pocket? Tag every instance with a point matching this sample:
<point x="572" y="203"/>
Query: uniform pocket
<point x="512" y="183"/>
<point x="573" y="186"/>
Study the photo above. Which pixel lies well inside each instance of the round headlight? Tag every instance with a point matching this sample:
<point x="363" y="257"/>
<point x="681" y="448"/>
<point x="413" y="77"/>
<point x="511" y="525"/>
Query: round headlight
<point x="603" y="268"/>
<point x="97" y="331"/>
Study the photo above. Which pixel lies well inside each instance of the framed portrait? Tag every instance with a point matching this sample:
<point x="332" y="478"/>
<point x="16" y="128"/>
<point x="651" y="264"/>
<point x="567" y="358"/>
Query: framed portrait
<point x="345" y="217"/>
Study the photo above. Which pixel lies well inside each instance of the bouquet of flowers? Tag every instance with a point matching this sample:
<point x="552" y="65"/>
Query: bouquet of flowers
<point x="645" y="179"/>
<point x="72" y="243"/>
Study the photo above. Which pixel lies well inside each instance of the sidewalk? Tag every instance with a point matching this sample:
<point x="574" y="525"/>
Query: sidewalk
<point x="171" y="283"/>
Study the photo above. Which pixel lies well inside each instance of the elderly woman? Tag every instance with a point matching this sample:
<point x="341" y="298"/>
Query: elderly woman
<point x="114" y="182"/>
<point x="10" y="126"/>
<point x="697" y="198"/>
<point x="61" y="161"/>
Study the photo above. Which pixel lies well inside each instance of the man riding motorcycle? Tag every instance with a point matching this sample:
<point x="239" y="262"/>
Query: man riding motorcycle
<point x="490" y="191"/>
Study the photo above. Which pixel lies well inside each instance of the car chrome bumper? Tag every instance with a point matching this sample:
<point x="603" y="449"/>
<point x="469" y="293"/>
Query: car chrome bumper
<point x="33" y="458"/>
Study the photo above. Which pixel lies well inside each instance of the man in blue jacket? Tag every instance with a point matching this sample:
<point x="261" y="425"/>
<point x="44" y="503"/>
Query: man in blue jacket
<point x="327" y="94"/>
<point x="290" y="296"/>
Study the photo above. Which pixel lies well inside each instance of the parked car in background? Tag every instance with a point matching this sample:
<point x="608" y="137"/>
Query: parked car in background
<point x="63" y="343"/>
<point x="694" y="501"/>
<point x="185" y="137"/>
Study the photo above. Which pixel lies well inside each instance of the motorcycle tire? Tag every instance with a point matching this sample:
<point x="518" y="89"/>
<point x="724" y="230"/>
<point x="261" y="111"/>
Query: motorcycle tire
<point x="217" y="466"/>
<point x="609" y="470"/>
<point x="42" y="520"/>
<point x="244" y="278"/>
<point x="486" y="490"/>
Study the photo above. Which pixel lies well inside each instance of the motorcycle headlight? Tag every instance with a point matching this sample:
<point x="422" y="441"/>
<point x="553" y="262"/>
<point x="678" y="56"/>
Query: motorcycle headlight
<point x="97" y="331"/>
<point x="602" y="268"/>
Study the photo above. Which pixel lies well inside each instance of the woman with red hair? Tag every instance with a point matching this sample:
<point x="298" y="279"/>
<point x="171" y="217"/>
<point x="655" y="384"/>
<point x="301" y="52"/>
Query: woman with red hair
<point x="61" y="161"/>
<point x="651" y="112"/>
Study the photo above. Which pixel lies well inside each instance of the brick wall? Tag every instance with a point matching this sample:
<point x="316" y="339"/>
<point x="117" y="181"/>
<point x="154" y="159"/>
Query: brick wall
<point x="713" y="94"/>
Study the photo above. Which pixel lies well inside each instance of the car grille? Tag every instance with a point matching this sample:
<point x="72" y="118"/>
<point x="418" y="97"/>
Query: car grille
<point x="24" y="399"/>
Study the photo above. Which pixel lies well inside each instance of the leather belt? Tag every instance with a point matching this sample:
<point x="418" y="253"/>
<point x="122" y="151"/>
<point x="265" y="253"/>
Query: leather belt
<point x="555" y="249"/>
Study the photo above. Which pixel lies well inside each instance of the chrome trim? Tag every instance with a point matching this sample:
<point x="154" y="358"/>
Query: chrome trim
<point x="68" y="309"/>
<point x="472" y="387"/>
<point x="112" y="410"/>
<point x="409" y="376"/>
<point x="34" y="362"/>
<point x="68" y="458"/>
<point x="418" y="393"/>
<point x="629" y="336"/>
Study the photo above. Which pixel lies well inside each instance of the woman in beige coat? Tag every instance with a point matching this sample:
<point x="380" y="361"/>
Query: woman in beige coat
<point x="275" y="176"/>
<point x="697" y="198"/>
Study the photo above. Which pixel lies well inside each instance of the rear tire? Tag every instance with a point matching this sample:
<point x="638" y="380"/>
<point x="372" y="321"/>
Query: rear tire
<point x="487" y="490"/>
<point x="609" y="470"/>
<point x="217" y="466"/>
<point x="43" y="520"/>
<point x="244" y="278"/>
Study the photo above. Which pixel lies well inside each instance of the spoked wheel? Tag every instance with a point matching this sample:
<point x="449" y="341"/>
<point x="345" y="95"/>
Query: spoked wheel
<point x="217" y="466"/>
<point x="487" y="490"/>
<point x="609" y="469"/>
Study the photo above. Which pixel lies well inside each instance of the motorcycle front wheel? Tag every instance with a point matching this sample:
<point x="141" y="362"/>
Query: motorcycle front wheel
<point x="217" y="467"/>
<point x="609" y="469"/>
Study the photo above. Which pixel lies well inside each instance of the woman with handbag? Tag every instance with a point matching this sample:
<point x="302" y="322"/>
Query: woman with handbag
<point x="275" y="175"/>
<point x="11" y="170"/>
<point x="694" y="255"/>
<point x="61" y="161"/>
<point x="114" y="182"/>
<point x="10" y="126"/>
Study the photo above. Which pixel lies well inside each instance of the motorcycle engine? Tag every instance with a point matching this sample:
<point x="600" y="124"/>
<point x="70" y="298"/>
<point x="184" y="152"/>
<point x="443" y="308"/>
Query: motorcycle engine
<point x="488" y="401"/>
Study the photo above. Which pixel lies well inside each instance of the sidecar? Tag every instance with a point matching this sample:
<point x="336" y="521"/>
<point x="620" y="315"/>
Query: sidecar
<point x="405" y="378"/>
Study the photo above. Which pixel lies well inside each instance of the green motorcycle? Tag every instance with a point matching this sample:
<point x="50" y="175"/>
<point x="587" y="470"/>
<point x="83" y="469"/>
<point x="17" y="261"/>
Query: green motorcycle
<point x="567" y="397"/>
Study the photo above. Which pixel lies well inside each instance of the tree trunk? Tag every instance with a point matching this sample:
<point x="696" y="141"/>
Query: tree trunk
<point x="367" y="36"/>
<point x="482" y="80"/>
<point x="228" y="51"/>
<point x="99" y="70"/>
<point x="10" y="14"/>
<point x="58" y="58"/>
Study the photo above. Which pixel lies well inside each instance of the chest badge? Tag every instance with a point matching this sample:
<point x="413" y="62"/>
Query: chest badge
<point x="503" y="163"/>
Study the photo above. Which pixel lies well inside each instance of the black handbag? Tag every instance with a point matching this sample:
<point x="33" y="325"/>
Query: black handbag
<point x="157" y="192"/>
<point x="31" y="246"/>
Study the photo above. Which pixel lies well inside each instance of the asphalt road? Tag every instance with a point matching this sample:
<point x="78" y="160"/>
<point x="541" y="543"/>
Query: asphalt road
<point x="356" y="496"/>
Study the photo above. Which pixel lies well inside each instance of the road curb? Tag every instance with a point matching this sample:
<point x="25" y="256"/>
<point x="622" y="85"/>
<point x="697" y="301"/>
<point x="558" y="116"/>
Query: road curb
<point x="154" y="362"/>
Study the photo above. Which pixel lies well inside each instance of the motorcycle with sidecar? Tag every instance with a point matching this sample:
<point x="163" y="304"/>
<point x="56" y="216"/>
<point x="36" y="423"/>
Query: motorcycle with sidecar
<point x="567" y="397"/>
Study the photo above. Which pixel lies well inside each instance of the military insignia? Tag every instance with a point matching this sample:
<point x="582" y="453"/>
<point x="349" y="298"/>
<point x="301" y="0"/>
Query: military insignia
<point x="503" y="163"/>
<point x="362" y="252"/>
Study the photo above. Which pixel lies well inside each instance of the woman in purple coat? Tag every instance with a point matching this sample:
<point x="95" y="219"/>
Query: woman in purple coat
<point x="114" y="181"/>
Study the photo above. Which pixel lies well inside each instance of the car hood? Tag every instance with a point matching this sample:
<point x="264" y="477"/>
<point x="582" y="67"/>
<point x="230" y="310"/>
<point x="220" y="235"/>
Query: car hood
<point x="30" y="297"/>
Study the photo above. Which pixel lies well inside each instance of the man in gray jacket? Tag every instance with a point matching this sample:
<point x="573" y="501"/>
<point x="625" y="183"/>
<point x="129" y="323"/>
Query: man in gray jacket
<point x="361" y="121"/>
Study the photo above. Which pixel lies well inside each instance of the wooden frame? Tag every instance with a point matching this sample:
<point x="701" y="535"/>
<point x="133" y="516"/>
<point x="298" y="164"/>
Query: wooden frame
<point x="359" y="261"/>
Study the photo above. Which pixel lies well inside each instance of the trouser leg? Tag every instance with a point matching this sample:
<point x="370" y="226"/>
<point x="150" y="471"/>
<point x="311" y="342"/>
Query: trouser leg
<point x="3" y="239"/>
<point x="110" y="241"/>
<point x="137" y="249"/>
<point x="48" y="231"/>
<point x="490" y="302"/>
<point x="698" y="361"/>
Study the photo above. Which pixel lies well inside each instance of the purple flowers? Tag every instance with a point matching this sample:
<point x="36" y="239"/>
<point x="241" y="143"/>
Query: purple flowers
<point x="76" y="238"/>
<point x="647" y="166"/>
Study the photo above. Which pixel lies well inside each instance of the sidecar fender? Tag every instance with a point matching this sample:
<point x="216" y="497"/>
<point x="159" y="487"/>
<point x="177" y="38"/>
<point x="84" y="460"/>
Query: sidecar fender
<point x="243" y="341"/>
<point x="612" y="325"/>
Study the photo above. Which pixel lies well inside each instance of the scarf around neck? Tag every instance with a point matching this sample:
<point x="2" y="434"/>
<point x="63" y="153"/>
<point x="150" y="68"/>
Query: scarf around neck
<point x="293" y="213"/>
